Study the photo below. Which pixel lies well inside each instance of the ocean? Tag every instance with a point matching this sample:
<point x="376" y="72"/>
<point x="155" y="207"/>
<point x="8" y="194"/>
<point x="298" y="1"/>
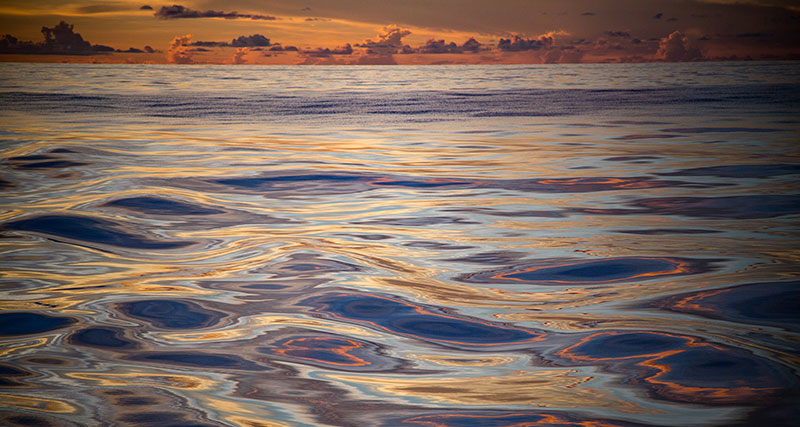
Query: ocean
<point x="581" y="245"/>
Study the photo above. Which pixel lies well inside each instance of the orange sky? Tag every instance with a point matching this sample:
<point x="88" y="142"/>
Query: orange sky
<point x="404" y="32"/>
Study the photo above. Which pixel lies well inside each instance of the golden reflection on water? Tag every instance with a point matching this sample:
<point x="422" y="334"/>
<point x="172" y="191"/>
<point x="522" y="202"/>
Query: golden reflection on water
<point x="541" y="388"/>
<point x="37" y="404"/>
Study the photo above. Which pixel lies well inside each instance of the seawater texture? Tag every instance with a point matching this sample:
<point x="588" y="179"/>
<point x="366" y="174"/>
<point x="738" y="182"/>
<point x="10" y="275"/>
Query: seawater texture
<point x="579" y="245"/>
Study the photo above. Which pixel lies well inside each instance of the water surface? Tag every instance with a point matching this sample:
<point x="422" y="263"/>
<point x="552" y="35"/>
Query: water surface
<point x="400" y="246"/>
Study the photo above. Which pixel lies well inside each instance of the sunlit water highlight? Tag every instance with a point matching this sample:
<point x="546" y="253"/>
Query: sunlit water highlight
<point x="400" y="246"/>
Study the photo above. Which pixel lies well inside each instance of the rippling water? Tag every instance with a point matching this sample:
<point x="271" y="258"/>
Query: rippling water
<point x="400" y="246"/>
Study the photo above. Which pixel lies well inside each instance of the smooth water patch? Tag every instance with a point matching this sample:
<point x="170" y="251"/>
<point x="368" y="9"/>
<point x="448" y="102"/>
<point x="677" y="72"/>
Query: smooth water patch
<point x="419" y="321"/>
<point x="91" y="230"/>
<point x="161" y="206"/>
<point x="592" y="272"/>
<point x="102" y="338"/>
<point x="26" y="323"/>
<point x="170" y="314"/>
<point x="774" y="304"/>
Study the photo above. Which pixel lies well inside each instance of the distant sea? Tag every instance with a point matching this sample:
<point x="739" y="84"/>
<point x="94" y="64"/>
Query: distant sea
<point x="579" y="245"/>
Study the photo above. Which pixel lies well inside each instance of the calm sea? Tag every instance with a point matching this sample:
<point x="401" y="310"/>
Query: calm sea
<point x="584" y="245"/>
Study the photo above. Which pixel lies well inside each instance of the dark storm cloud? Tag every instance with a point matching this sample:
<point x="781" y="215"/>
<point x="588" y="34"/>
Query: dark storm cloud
<point x="181" y="12"/>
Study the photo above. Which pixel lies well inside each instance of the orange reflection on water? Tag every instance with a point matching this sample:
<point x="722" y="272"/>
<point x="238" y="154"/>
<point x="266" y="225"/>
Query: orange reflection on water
<point x="568" y="353"/>
<point x="306" y="348"/>
<point x="543" y="388"/>
<point x="686" y="367"/>
<point x="694" y="303"/>
<point x="605" y="183"/>
<point x="718" y="395"/>
<point x="149" y="378"/>
<point x="447" y="420"/>
<point x="37" y="404"/>
<point x="678" y="267"/>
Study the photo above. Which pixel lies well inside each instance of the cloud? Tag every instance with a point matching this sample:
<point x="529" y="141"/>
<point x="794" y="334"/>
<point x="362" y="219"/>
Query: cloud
<point x="471" y="45"/>
<point x="179" y="52"/>
<point x="516" y="43"/>
<point x="130" y="50"/>
<point x="61" y="39"/>
<point x="326" y="52"/>
<point x="390" y="41"/>
<point x="678" y="48"/>
<point x="439" y="46"/>
<point x="624" y="34"/>
<point x="253" y="40"/>
<point x="238" y="56"/>
<point x="588" y="14"/>
<point x="278" y="48"/>
<point x="146" y="7"/>
<point x="250" y="41"/>
<point x="100" y="8"/>
<point x="181" y="12"/>
<point x="433" y="46"/>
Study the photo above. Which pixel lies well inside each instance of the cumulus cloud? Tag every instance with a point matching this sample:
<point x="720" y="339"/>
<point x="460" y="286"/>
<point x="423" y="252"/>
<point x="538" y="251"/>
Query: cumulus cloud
<point x="179" y="51"/>
<point x="433" y="46"/>
<point x="381" y="52"/>
<point x="253" y="40"/>
<point x="61" y="39"/>
<point x="517" y="43"/>
<point x="177" y="11"/>
<point x="326" y="52"/>
<point x="678" y="48"/>
<point x="239" y="55"/>
<point x="278" y="48"/>
<point x="390" y="41"/>
<point x="439" y="46"/>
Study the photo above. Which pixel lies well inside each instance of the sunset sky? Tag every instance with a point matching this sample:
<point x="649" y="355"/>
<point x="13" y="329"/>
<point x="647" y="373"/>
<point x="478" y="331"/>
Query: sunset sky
<point x="400" y="32"/>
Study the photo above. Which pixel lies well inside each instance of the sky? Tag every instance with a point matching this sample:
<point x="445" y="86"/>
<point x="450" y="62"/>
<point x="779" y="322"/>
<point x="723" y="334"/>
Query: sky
<point x="397" y="31"/>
